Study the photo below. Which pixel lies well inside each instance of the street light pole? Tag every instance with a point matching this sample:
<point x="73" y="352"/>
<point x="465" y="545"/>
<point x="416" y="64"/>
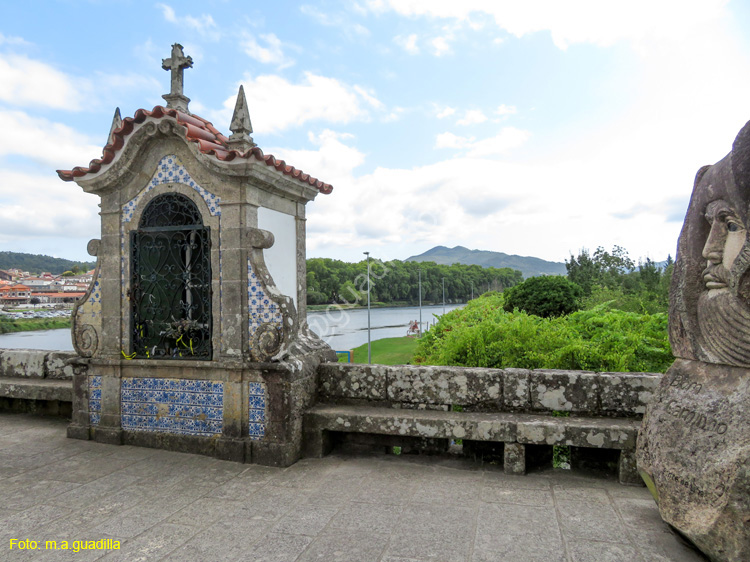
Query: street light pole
<point x="369" y="344"/>
<point x="443" y="295"/>
<point x="420" y="303"/>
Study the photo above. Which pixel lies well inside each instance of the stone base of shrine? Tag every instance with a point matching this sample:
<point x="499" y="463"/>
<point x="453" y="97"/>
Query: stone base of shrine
<point x="241" y="412"/>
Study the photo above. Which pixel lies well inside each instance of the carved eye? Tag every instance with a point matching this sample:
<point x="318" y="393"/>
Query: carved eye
<point x="733" y="227"/>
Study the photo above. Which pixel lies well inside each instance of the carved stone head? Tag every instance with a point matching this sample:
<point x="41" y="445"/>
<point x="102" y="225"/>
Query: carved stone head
<point x="710" y="293"/>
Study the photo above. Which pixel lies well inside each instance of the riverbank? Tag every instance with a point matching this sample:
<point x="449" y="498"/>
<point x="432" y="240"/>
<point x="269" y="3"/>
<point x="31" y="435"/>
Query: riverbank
<point x="355" y="306"/>
<point x="388" y="351"/>
<point x="12" y="325"/>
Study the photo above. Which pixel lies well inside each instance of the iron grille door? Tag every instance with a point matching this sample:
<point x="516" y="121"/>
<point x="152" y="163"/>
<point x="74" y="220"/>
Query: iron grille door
<point x="170" y="290"/>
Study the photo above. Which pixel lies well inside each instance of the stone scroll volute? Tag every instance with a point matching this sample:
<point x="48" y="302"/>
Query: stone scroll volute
<point x="272" y="317"/>
<point x="86" y="324"/>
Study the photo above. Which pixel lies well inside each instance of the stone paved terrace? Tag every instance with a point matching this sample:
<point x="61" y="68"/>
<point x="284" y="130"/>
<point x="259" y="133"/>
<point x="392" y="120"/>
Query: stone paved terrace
<point x="172" y="506"/>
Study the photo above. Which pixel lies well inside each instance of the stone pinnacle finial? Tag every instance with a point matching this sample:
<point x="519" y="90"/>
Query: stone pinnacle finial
<point x="241" y="126"/>
<point x="177" y="63"/>
<point x="116" y="124"/>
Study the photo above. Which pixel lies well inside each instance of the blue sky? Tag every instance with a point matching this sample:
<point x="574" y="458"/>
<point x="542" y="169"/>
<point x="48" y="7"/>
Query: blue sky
<point x="534" y="128"/>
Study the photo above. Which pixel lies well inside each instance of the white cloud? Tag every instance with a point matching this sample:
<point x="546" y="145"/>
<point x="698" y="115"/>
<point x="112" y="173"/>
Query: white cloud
<point x="369" y="97"/>
<point x="472" y="117"/>
<point x="271" y="53"/>
<point x="506" y="110"/>
<point x="52" y="144"/>
<point x="395" y="114"/>
<point x="34" y="205"/>
<point x="408" y="43"/>
<point x="440" y="46"/>
<point x="349" y="28"/>
<point x="11" y="40"/>
<point x="574" y="21"/>
<point x="276" y="104"/>
<point x="443" y="112"/>
<point x="28" y="82"/>
<point x="203" y="24"/>
<point x="508" y="138"/>
<point x="449" y="140"/>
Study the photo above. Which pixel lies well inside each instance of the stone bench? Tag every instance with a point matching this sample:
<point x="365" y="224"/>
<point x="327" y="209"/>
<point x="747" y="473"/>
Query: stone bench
<point x="510" y="406"/>
<point x="36" y="380"/>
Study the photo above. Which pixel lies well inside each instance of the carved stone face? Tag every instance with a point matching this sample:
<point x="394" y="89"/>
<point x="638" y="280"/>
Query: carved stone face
<point x="723" y="313"/>
<point x="709" y="309"/>
<point x="726" y="240"/>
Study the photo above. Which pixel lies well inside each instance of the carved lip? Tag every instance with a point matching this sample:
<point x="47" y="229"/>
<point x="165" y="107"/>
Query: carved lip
<point x="712" y="282"/>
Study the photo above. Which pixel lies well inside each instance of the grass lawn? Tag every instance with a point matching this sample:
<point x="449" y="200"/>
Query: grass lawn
<point x="388" y="351"/>
<point x="8" y="325"/>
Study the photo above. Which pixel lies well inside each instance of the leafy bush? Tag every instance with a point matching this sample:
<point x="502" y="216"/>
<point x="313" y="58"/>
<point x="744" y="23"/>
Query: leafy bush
<point x="544" y="296"/>
<point x="602" y="339"/>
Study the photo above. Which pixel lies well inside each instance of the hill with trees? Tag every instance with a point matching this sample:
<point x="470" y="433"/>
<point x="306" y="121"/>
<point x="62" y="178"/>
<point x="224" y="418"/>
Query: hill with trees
<point x="36" y="263"/>
<point x="528" y="266"/>
<point x="334" y="281"/>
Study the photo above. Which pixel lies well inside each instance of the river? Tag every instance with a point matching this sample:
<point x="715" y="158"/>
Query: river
<point x="341" y="329"/>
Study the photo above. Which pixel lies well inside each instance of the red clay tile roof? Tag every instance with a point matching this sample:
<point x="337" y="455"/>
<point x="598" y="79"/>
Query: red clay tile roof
<point x="208" y="138"/>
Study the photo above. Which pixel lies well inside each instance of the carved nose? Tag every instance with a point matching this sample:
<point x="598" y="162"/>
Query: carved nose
<point x="714" y="247"/>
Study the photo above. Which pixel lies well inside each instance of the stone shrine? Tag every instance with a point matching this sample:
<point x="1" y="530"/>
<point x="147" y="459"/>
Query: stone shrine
<point x="193" y="332"/>
<point x="694" y="445"/>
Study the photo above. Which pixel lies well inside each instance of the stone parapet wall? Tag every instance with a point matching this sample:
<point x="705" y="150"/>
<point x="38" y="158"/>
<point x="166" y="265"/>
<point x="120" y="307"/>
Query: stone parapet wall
<point x="35" y="363"/>
<point x="476" y="389"/>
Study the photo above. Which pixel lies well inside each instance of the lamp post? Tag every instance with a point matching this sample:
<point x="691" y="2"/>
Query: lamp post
<point x="369" y="345"/>
<point x="443" y="295"/>
<point x="420" y="303"/>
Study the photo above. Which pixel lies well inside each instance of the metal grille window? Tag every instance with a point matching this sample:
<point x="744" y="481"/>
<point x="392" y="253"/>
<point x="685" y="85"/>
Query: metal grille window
<point x="170" y="290"/>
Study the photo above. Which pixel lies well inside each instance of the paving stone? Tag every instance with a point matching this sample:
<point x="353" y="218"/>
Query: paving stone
<point x="442" y="546"/>
<point x="225" y="540"/>
<point x="590" y="551"/>
<point x="336" y="547"/>
<point x="592" y="521"/>
<point x="516" y="520"/>
<point x="378" y="518"/>
<point x="305" y="520"/>
<point x="154" y="544"/>
<point x="505" y="494"/>
<point x="277" y="547"/>
<point x="526" y="548"/>
<point x="588" y="495"/>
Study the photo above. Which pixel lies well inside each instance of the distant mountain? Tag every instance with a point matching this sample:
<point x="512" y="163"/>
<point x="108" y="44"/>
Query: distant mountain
<point x="36" y="263"/>
<point x="527" y="265"/>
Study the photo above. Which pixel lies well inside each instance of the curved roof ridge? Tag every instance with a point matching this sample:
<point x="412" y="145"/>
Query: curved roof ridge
<point x="198" y="130"/>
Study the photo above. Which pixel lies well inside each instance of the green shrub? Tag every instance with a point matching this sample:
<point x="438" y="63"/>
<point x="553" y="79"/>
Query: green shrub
<point x="544" y="296"/>
<point x="602" y="339"/>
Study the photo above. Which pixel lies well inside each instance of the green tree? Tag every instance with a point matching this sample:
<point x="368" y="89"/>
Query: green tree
<point x="544" y="296"/>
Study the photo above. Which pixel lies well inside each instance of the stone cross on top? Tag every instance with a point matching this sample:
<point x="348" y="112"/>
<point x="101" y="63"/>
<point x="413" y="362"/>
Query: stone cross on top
<point x="176" y="64"/>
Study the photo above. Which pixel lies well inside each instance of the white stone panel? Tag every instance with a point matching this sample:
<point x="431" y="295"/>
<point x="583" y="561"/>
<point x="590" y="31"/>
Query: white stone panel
<point x="281" y="258"/>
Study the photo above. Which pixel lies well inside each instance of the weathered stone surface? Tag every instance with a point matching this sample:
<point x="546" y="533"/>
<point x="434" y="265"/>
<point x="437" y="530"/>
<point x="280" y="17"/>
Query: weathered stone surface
<point x="58" y="365"/>
<point x="33" y="388"/>
<point x="568" y="391"/>
<point x="340" y="381"/>
<point x="627" y="394"/>
<point x="22" y="363"/>
<point x="443" y="385"/>
<point x="516" y="396"/>
<point x="600" y="433"/>
<point x="694" y="452"/>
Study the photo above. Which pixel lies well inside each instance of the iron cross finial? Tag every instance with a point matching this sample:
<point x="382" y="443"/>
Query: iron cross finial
<point x="177" y="63"/>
